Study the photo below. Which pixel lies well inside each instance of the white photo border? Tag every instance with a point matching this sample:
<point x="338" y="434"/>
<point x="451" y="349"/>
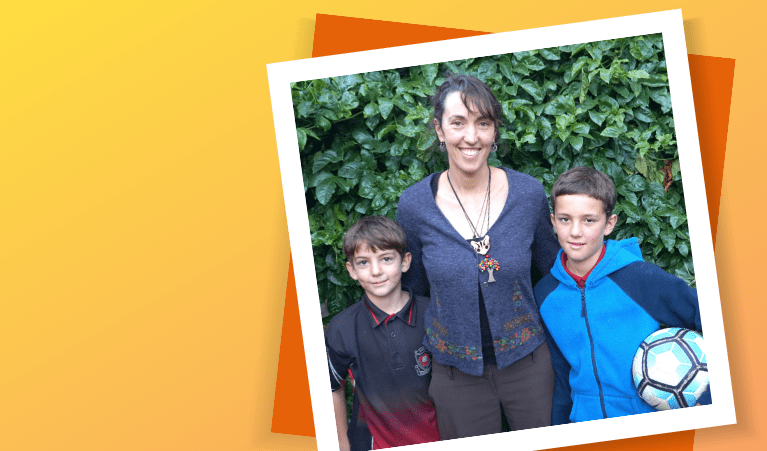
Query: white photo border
<point x="670" y="24"/>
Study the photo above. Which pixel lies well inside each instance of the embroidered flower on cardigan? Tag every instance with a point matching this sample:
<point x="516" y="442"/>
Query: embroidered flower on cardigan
<point x="440" y="327"/>
<point x="514" y="340"/>
<point x="516" y="322"/>
<point x="446" y="347"/>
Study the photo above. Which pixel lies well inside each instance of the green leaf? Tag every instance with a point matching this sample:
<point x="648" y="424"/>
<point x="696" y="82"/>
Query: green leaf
<point x="555" y="107"/>
<point x="367" y="186"/>
<point x="598" y="116"/>
<point x="532" y="63"/>
<point x="426" y="140"/>
<point x="661" y="95"/>
<point x="371" y="109"/>
<point x="576" y="142"/>
<point x="384" y="131"/>
<point x="644" y="115"/>
<point x="605" y="75"/>
<point x="325" y="190"/>
<point x="323" y="159"/>
<point x="430" y="72"/>
<point x="544" y="126"/>
<point x="304" y="109"/>
<point x="350" y="170"/>
<point x="632" y="211"/>
<point x="349" y="100"/>
<point x="563" y="122"/>
<point x="506" y="68"/>
<point x="532" y="88"/>
<point x="551" y="54"/>
<point x="318" y="178"/>
<point x="527" y="111"/>
<point x="576" y="69"/>
<point x="301" y="138"/>
<point x="637" y="74"/>
<point x="385" y="106"/>
<point x="641" y="49"/>
<point x="581" y="129"/>
<point x="408" y="130"/>
<point x="549" y="148"/>
<point x="486" y="70"/>
<point x="528" y="138"/>
<point x="323" y="122"/>
<point x="641" y="165"/>
<point x="676" y="219"/>
<point x="653" y="224"/>
<point x="378" y="201"/>
<point x="675" y="168"/>
<point x="669" y="239"/>
<point x="363" y="137"/>
<point x="611" y="132"/>
<point x="332" y="278"/>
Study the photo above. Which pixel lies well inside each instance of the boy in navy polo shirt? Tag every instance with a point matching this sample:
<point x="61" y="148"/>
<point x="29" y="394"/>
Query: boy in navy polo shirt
<point x="600" y="300"/>
<point x="377" y="341"/>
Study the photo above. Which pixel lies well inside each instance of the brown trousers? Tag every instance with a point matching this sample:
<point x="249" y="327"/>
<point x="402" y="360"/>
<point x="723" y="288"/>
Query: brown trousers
<point x="471" y="405"/>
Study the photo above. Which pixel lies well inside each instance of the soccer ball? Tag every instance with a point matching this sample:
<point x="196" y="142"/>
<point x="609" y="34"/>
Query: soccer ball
<point x="670" y="369"/>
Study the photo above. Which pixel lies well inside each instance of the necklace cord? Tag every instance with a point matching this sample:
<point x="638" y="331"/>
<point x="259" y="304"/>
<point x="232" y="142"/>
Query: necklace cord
<point x="485" y="205"/>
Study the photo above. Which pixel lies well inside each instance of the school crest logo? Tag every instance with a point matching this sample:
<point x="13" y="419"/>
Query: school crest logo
<point x="422" y="361"/>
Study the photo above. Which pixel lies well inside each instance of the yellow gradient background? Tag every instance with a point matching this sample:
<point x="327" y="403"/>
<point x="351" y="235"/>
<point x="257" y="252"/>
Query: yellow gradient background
<point x="143" y="241"/>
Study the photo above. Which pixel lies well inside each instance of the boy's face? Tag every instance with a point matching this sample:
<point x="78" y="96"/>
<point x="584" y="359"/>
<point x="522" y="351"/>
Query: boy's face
<point x="581" y="225"/>
<point x="379" y="273"/>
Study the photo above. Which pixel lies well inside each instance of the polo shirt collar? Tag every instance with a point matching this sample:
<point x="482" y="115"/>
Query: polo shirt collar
<point x="378" y="317"/>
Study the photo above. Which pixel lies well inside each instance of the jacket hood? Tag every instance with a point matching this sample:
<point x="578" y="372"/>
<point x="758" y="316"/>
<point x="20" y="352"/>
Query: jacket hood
<point x="618" y="254"/>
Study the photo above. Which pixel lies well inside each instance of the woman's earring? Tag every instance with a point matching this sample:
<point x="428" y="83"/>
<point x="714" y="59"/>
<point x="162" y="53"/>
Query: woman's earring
<point x="493" y="147"/>
<point x="442" y="146"/>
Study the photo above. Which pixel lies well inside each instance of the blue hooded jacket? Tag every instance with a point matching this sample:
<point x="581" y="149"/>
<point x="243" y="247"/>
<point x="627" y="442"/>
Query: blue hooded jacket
<point x="595" y="331"/>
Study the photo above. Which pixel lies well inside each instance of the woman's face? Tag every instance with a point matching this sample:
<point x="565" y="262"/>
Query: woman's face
<point x="466" y="135"/>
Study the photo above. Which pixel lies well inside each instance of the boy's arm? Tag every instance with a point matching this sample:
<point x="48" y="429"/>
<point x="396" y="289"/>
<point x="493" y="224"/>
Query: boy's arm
<point x="342" y="423"/>
<point x="666" y="298"/>
<point x="562" y="403"/>
<point x="338" y="365"/>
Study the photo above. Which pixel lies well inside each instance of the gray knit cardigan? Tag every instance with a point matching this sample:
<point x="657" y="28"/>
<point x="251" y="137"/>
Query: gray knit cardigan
<point x="445" y="265"/>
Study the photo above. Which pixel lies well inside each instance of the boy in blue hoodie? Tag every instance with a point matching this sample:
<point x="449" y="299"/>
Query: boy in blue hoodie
<point x="600" y="301"/>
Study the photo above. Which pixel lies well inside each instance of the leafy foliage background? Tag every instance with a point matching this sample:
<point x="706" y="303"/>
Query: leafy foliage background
<point x="364" y="138"/>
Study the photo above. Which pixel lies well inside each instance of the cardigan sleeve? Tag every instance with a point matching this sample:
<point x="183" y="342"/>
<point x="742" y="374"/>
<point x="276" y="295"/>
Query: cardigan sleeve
<point x="415" y="277"/>
<point x="545" y="245"/>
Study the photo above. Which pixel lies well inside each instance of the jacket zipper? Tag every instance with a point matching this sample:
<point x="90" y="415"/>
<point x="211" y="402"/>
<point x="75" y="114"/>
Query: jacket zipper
<point x="585" y="316"/>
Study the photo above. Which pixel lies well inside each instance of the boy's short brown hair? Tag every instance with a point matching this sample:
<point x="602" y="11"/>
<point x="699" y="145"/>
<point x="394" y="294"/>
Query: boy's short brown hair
<point x="588" y="181"/>
<point x="377" y="232"/>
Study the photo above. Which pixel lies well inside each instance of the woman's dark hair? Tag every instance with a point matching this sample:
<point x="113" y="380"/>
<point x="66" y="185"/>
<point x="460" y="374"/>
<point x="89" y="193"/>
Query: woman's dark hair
<point x="474" y="94"/>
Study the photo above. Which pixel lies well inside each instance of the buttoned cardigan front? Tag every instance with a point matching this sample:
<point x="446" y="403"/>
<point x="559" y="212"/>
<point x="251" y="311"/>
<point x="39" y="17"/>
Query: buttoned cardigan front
<point x="445" y="265"/>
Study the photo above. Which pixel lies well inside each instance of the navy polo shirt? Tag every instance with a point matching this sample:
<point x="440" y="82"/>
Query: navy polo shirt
<point x="391" y="370"/>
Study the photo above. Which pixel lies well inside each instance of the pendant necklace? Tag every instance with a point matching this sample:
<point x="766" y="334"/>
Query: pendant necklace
<point x="481" y="244"/>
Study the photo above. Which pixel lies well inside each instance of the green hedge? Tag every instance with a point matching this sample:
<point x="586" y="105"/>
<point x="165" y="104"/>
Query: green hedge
<point x="364" y="139"/>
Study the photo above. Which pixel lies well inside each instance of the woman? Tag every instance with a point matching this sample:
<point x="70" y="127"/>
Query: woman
<point x="482" y="325"/>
